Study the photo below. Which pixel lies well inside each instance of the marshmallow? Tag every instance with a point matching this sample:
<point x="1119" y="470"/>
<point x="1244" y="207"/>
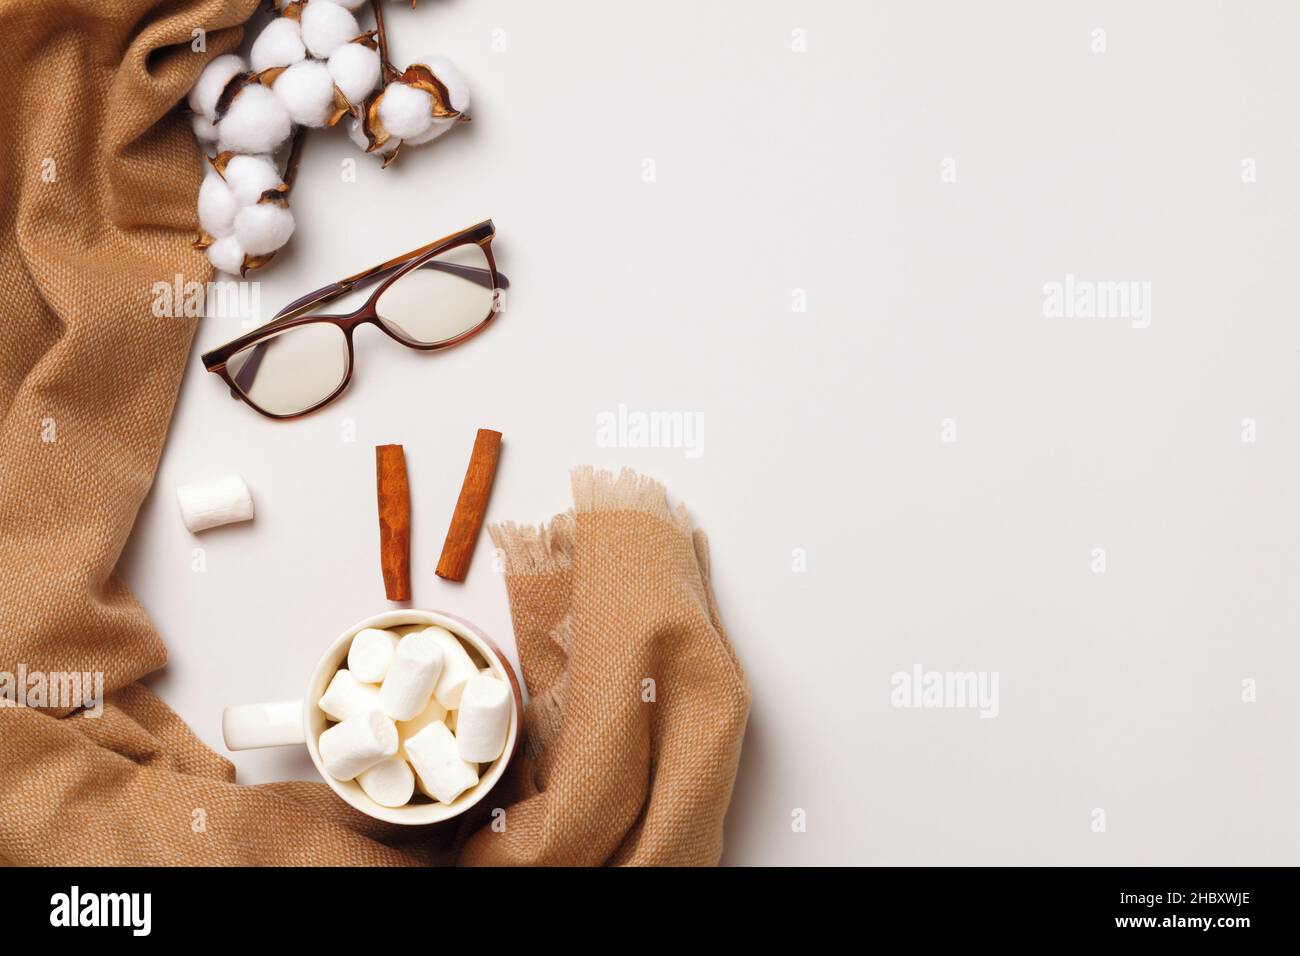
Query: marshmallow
<point x="443" y="774"/>
<point x="218" y="501"/>
<point x="483" y="718"/>
<point x="390" y="783"/>
<point x="457" y="668"/>
<point x="346" y="696"/>
<point x="412" y="676"/>
<point x="371" y="653"/>
<point x="357" y="744"/>
<point x="406" y="729"/>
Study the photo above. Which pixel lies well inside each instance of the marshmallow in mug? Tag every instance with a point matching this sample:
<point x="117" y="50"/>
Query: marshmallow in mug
<point x="406" y="729"/>
<point x="447" y="714"/>
<point x="371" y="654"/>
<point x="357" y="744"/>
<point x="483" y="718"/>
<point x="417" y="665"/>
<point x="457" y="667"/>
<point x="441" y="771"/>
<point x="346" y="696"/>
<point x="390" y="783"/>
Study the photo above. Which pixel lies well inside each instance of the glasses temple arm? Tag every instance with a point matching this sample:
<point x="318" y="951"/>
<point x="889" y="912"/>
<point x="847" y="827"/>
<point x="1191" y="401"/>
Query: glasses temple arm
<point x="332" y="291"/>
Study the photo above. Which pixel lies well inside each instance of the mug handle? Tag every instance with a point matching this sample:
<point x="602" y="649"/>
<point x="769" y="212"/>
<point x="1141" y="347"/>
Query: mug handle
<point x="250" y="726"/>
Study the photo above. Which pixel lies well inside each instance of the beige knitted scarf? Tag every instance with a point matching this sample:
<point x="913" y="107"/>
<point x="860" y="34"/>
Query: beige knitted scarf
<point x="639" y="705"/>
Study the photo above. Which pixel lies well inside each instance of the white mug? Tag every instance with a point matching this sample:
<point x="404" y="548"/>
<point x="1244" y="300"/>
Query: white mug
<point x="249" y="726"/>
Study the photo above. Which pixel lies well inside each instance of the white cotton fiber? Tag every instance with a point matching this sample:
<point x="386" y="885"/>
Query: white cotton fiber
<point x="350" y="4"/>
<point x="452" y="78"/>
<point x="280" y="44"/>
<point x="355" y="69"/>
<point x="250" y="176"/>
<point x="457" y="95"/>
<point x="207" y="89"/>
<point x="326" y="26"/>
<point x="204" y="131"/>
<point x="307" y="91"/>
<point x="256" y="122"/>
<point x="217" y="207"/>
<point x="226" y="255"/>
<point x="263" y="228"/>
<point x="405" y="111"/>
<point x="358" y="136"/>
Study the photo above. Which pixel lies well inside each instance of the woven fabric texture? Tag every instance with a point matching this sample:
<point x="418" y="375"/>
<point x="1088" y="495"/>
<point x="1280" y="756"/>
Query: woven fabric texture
<point x="99" y="176"/>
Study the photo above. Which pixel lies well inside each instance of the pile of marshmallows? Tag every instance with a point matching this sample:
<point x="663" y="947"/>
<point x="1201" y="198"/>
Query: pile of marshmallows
<point x="413" y="711"/>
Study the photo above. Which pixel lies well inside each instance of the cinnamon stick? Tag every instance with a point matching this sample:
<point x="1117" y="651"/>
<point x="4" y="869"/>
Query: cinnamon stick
<point x="394" y="521"/>
<point x="467" y="520"/>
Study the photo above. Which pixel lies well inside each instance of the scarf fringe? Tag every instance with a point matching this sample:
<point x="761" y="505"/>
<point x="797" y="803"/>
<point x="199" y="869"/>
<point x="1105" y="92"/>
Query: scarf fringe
<point x="538" y="549"/>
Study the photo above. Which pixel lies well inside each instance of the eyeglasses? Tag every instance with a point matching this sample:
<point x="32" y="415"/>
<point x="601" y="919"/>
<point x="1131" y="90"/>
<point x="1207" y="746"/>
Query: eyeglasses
<point x="430" y="298"/>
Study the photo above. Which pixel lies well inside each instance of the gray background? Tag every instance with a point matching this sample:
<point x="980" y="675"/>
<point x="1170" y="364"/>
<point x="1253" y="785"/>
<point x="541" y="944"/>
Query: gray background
<point x="821" y="171"/>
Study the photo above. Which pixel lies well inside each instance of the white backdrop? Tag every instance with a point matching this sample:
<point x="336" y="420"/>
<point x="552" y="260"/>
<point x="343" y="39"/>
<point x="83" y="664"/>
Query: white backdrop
<point x="921" y="467"/>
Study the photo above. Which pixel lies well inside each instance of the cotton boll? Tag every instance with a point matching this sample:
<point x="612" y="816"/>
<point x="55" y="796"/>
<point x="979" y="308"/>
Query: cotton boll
<point x="355" y="69"/>
<point x="307" y="91"/>
<point x="439" y="126"/>
<point x="350" y="4"/>
<point x="226" y="255"/>
<point x="263" y="228"/>
<point x="204" y="130"/>
<point x="457" y="96"/>
<point x="207" y="89"/>
<point x="452" y="79"/>
<point x="280" y="44"/>
<point x="250" y="176"/>
<point x="326" y="26"/>
<point x="257" y="122"/>
<point x="216" y="207"/>
<point x="404" y="111"/>
<point x="358" y="135"/>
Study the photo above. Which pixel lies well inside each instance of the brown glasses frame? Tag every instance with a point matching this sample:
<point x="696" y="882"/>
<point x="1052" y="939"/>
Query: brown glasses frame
<point x="300" y="310"/>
